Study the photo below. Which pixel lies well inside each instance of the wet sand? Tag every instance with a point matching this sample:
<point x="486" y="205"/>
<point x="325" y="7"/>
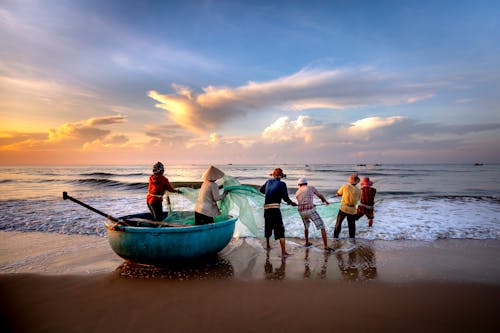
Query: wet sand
<point x="59" y="283"/>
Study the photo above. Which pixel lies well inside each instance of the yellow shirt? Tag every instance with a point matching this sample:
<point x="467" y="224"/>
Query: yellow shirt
<point x="350" y="197"/>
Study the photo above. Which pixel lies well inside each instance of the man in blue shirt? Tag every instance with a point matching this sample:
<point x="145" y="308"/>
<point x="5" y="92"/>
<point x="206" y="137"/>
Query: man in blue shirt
<point x="275" y="191"/>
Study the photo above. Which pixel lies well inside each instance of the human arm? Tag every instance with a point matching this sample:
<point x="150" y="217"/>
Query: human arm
<point x="216" y="195"/>
<point x="169" y="186"/>
<point x="340" y="191"/>
<point x="285" y="196"/>
<point x="263" y="189"/>
<point x="322" y="197"/>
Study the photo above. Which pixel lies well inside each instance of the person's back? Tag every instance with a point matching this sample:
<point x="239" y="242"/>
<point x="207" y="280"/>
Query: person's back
<point x="305" y="197"/>
<point x="207" y="199"/>
<point x="275" y="190"/>
<point x="350" y="197"/>
<point x="367" y="201"/>
<point x="368" y="196"/>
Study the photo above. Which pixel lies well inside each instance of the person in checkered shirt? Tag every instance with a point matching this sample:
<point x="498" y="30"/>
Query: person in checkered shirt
<point x="305" y="195"/>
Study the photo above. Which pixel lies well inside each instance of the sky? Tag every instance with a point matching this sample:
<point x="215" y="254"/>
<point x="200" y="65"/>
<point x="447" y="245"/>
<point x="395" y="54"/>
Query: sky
<point x="135" y="82"/>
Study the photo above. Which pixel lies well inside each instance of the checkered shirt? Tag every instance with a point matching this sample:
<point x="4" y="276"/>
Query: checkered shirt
<point x="305" y="196"/>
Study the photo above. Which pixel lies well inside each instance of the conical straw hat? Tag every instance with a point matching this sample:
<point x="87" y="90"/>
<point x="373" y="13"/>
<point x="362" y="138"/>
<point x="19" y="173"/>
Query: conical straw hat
<point x="212" y="174"/>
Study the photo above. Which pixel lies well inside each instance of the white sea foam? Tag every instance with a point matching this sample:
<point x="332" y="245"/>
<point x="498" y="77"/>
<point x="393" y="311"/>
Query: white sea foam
<point x="408" y="204"/>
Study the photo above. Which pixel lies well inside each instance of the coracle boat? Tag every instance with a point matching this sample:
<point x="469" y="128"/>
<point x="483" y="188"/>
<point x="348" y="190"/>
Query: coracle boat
<point x="138" y="239"/>
<point x="147" y="245"/>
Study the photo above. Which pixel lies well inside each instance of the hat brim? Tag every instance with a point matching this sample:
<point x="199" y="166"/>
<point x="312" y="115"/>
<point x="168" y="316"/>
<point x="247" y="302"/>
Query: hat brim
<point x="212" y="174"/>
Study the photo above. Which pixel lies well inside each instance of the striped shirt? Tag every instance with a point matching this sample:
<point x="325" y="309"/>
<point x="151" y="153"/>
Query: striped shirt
<point x="305" y="196"/>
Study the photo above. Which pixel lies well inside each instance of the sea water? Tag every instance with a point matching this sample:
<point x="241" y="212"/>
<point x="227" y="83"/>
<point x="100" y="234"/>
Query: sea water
<point x="415" y="202"/>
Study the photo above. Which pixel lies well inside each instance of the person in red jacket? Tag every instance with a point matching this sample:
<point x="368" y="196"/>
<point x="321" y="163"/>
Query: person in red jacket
<point x="158" y="185"/>
<point x="367" y="201"/>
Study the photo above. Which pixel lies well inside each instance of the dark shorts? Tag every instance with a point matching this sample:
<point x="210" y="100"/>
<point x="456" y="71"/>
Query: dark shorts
<point x="156" y="209"/>
<point x="364" y="211"/>
<point x="202" y="219"/>
<point x="273" y="223"/>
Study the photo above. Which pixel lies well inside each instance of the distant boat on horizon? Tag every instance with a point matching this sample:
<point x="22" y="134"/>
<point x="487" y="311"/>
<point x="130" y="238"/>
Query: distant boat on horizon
<point x="478" y="164"/>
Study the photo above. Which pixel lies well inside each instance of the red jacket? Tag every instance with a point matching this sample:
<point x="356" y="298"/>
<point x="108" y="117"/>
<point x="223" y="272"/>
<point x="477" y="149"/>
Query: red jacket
<point x="158" y="184"/>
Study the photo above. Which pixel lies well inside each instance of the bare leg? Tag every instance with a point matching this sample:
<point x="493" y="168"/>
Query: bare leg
<point x="370" y="222"/>
<point x="325" y="242"/>
<point x="283" y="249"/>
<point x="306" y="235"/>
<point x="267" y="243"/>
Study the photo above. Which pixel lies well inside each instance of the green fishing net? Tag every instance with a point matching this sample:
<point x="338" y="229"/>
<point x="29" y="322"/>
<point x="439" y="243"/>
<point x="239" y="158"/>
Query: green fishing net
<point x="243" y="201"/>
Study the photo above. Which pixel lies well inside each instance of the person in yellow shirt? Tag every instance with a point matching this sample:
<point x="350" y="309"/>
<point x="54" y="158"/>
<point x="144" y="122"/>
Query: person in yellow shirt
<point x="350" y="197"/>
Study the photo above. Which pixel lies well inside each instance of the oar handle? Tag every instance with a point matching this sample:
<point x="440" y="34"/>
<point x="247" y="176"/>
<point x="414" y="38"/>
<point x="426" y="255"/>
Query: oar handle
<point x="66" y="196"/>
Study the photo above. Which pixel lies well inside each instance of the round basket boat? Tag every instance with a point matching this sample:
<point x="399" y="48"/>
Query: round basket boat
<point x="148" y="245"/>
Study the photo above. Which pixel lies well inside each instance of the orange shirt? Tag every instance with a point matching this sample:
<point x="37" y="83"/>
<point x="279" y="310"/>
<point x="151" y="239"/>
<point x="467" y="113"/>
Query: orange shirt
<point x="350" y="197"/>
<point x="158" y="184"/>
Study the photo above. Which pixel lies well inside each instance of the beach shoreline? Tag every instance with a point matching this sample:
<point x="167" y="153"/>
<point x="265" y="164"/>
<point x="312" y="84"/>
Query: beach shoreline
<point x="75" y="283"/>
<point x="446" y="260"/>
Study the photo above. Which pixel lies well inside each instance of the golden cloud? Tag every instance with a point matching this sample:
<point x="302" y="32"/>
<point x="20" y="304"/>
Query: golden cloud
<point x="309" y="88"/>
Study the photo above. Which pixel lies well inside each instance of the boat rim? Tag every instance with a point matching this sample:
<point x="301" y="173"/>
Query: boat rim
<point x="189" y="228"/>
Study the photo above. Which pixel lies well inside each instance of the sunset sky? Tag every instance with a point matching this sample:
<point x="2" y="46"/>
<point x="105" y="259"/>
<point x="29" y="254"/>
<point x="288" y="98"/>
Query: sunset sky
<point x="129" y="82"/>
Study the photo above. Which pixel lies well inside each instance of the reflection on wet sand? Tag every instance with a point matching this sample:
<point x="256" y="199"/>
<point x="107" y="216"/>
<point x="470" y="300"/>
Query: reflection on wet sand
<point x="276" y="274"/>
<point x="355" y="261"/>
<point x="323" y="270"/>
<point x="351" y="261"/>
<point x="357" y="264"/>
<point x="215" y="268"/>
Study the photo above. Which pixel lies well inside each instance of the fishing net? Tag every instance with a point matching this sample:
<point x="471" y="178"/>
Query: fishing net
<point x="243" y="201"/>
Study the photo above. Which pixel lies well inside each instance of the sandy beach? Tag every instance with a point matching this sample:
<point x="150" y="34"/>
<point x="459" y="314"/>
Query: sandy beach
<point x="61" y="283"/>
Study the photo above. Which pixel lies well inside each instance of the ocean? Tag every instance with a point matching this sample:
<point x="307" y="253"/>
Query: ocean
<point x="413" y="202"/>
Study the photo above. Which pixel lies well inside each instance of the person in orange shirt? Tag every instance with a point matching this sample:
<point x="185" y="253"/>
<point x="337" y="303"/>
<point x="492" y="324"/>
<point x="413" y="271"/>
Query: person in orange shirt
<point x="350" y="197"/>
<point x="158" y="185"/>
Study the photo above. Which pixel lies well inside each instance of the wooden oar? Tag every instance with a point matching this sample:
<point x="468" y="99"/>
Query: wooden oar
<point x="120" y="221"/>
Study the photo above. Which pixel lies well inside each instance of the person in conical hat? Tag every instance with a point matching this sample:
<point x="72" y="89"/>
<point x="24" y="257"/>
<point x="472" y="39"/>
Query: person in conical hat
<point x="275" y="191"/>
<point x="206" y="207"/>
<point x="158" y="185"/>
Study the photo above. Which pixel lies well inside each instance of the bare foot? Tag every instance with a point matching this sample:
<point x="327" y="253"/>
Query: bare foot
<point x="285" y="255"/>
<point x="308" y="244"/>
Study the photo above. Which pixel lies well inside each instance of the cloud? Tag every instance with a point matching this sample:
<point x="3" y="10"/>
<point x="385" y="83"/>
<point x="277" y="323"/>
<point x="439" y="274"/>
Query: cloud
<point x="117" y="139"/>
<point x="307" y="89"/>
<point x="9" y="139"/>
<point x="67" y="136"/>
<point x="375" y="139"/>
<point x="85" y="131"/>
<point x="105" y="120"/>
<point x="168" y="134"/>
<point x="284" y="129"/>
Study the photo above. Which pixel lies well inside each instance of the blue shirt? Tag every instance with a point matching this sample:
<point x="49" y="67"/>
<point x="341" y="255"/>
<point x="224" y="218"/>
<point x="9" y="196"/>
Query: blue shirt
<point x="275" y="190"/>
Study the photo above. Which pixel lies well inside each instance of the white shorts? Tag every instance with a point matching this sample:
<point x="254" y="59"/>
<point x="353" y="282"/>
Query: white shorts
<point x="312" y="215"/>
